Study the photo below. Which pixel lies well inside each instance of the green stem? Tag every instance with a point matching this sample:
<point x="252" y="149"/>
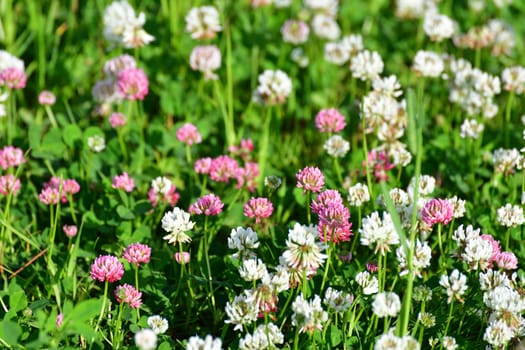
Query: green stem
<point x="51" y="116"/>
<point x="448" y="320"/>
<point x="308" y="209"/>
<point x="338" y="171"/>
<point x="263" y="153"/>
<point x="508" y="112"/>
<point x="327" y="267"/>
<point x="207" y="258"/>
<point x="103" y="305"/>
<point x="118" y="327"/>
<point x="507" y="239"/>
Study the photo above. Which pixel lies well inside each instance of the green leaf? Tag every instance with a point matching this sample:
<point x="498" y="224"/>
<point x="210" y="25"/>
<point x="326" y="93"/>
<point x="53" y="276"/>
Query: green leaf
<point x="17" y="301"/>
<point x="335" y="335"/>
<point x="10" y="331"/>
<point x="86" y="310"/>
<point x="164" y="346"/>
<point x="125" y="213"/>
<point x="71" y="134"/>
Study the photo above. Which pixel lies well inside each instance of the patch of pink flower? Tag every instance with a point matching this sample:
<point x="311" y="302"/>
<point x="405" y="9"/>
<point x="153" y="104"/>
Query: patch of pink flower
<point x="325" y="199"/>
<point x="11" y="157"/>
<point x="223" y="168"/>
<point x="189" y="134"/>
<point x="208" y="205"/>
<point x="258" y="208"/>
<point x="334" y="223"/>
<point x="310" y="179"/>
<point x="70" y="230"/>
<point x="123" y="182"/>
<point x="379" y="163"/>
<point x="13" y="78"/>
<point x="171" y="197"/>
<point x="330" y="121"/>
<point x="9" y="184"/>
<point x="107" y="268"/>
<point x="133" y="83"/>
<point x="437" y="211"/>
<point x="46" y="98"/>
<point x="183" y="258"/>
<point x="247" y="176"/>
<point x="137" y="253"/>
<point x="128" y="294"/>
<point x="117" y="120"/>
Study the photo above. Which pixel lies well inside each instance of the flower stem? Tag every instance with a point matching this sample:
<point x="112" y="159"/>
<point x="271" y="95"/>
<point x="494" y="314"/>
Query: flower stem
<point x="448" y="320"/>
<point x="106" y="283"/>
<point x="207" y="258"/>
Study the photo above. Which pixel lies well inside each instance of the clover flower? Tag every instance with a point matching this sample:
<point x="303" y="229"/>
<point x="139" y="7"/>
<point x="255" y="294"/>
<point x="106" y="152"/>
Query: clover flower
<point x="117" y="120"/>
<point x="70" y="230"/>
<point x="273" y="89"/>
<point x="358" y="195"/>
<point x="107" y="268"/>
<point x="309" y="316"/>
<point x="13" y="78"/>
<point x="189" y="134"/>
<point x="330" y="121"/>
<point x="208" y="343"/>
<point x="133" y="83"/>
<point x="310" y="179"/>
<point x="123" y="182"/>
<point x="366" y="65"/>
<point x="46" y="98"/>
<point x="164" y="191"/>
<point x="241" y="311"/>
<point x="386" y="304"/>
<point x="158" y="324"/>
<point x="146" y="339"/>
<point x="455" y="285"/>
<point x="126" y="293"/>
<point x="258" y="208"/>
<point x="176" y="223"/>
<point x="137" y="253"/>
<point x="437" y="211"/>
<point x="9" y="184"/>
<point x="244" y="240"/>
<point x="203" y="22"/>
<point x="510" y="215"/>
<point x="295" y="32"/>
<point x="11" y="157"/>
<point x="96" y="143"/>
<point x="209" y="204"/>
<point x="206" y="59"/>
<point x="123" y="28"/>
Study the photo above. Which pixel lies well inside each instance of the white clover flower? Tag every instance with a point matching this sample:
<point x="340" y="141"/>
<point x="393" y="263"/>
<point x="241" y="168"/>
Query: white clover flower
<point x="161" y="185"/>
<point x="280" y="280"/>
<point x="427" y="184"/>
<point x="388" y="86"/>
<point x="493" y="278"/>
<point x="477" y="253"/>
<point x="336" y="146"/>
<point x="389" y="341"/>
<point x="358" y="195"/>
<point x="241" y="311"/>
<point x="428" y="64"/>
<point x="427" y="319"/>
<point x="252" y="270"/>
<point x="411" y="9"/>
<point x="471" y="129"/>
<point x="10" y="61"/>
<point x="208" y="343"/>
<point x="203" y="22"/>
<point x="367" y="65"/>
<point x="458" y="206"/>
<point x="462" y="236"/>
<point x="146" y="339"/>
<point x="114" y="66"/>
<point x="378" y="233"/>
<point x="506" y="160"/>
<point x="176" y="223"/>
<point x="282" y="3"/>
<point x="449" y="343"/>
<point x="309" y="316"/>
<point x="158" y="324"/>
<point x="299" y="57"/>
<point x="328" y="7"/>
<point x="335" y="53"/>
<point x="439" y="27"/>
<point x="96" y="143"/>
<point x="325" y="27"/>
<point x="123" y="28"/>
<point x="337" y="300"/>
<point x="368" y="282"/>
<point x="420" y="260"/>
<point x="106" y="91"/>
<point x="498" y="334"/>
<point x="259" y="339"/>
<point x="513" y="79"/>
<point x="274" y="87"/>
<point x="510" y="215"/>
<point x="504" y="299"/>
<point x="456" y="285"/>
<point x="244" y="240"/>
<point x="386" y="304"/>
<point x="206" y="59"/>
<point x="295" y="32"/>
<point x="303" y="252"/>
